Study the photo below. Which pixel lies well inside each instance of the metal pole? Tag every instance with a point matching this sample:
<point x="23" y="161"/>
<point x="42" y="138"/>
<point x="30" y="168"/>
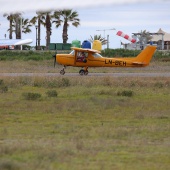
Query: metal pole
<point x="107" y="41"/>
<point x="162" y="42"/>
<point x="21" y="29"/>
<point x="104" y="33"/>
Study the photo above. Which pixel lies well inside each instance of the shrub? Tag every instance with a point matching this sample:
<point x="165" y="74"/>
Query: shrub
<point x="1" y="82"/>
<point x="9" y="165"/>
<point x="52" y="93"/>
<point x="65" y="82"/>
<point x="120" y="53"/>
<point x="159" y="85"/>
<point x="3" y="88"/>
<point x="31" y="96"/>
<point x="127" y="93"/>
<point x="7" y="55"/>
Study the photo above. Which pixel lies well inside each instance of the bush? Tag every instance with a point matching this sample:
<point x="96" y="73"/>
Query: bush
<point x="7" y="55"/>
<point x="132" y="53"/>
<point x="3" y="88"/>
<point x="1" y="82"/>
<point x="120" y="53"/>
<point x="31" y="96"/>
<point x="52" y="93"/>
<point x="65" y="82"/>
<point x="127" y="93"/>
<point x="159" y="85"/>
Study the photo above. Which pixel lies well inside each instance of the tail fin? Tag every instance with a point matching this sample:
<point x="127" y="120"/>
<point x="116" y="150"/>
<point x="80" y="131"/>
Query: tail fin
<point x="146" y="55"/>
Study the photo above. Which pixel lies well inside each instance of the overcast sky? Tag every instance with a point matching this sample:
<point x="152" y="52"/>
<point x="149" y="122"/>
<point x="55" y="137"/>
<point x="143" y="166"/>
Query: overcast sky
<point x="129" y="16"/>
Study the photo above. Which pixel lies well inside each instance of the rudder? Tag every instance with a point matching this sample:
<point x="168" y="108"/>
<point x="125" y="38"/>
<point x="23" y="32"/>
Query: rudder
<point x="146" y="55"/>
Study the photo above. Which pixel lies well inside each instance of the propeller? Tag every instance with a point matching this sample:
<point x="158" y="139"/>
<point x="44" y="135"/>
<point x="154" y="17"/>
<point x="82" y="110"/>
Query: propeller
<point x="54" y="59"/>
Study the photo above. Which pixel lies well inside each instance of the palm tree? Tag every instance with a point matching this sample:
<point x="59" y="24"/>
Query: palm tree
<point x="26" y="26"/>
<point x="144" y="37"/>
<point x="10" y="18"/>
<point x="47" y="24"/>
<point x="44" y="18"/>
<point x="98" y="37"/>
<point x="66" y="17"/>
<point x="39" y="20"/>
<point x="17" y="23"/>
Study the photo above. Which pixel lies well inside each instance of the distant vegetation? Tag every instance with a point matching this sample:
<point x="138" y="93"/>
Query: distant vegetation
<point x="25" y="55"/>
<point x="47" y="55"/>
<point x="129" y="53"/>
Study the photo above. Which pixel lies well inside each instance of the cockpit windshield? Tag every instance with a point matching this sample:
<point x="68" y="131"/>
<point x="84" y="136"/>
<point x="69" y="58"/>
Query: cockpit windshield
<point x="72" y="52"/>
<point x="96" y="55"/>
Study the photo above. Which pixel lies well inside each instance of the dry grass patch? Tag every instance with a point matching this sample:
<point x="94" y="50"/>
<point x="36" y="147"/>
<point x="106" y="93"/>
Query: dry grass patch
<point x="47" y="66"/>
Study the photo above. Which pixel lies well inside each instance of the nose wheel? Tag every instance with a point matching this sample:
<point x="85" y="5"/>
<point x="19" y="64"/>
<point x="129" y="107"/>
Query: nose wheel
<point x="62" y="72"/>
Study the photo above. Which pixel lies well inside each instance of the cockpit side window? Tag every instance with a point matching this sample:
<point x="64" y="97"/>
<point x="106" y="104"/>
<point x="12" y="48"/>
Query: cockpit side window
<point x="81" y="56"/>
<point x="96" y="55"/>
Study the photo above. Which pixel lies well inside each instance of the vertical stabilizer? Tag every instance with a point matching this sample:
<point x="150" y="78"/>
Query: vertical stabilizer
<point x="146" y="55"/>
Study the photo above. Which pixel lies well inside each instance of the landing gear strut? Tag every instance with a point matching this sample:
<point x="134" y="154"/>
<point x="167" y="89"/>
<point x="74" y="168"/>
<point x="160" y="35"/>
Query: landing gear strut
<point x="84" y="71"/>
<point x="62" y="72"/>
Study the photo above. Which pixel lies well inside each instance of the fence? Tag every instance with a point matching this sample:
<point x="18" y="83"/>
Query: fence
<point x="59" y="46"/>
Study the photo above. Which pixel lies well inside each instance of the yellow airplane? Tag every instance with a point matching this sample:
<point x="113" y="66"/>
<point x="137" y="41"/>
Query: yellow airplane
<point x="80" y="57"/>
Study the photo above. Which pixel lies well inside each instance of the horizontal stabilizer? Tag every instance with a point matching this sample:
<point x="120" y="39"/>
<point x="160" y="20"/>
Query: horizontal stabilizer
<point x="138" y="63"/>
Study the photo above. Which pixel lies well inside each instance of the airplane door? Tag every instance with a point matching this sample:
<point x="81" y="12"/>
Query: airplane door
<point x="81" y="57"/>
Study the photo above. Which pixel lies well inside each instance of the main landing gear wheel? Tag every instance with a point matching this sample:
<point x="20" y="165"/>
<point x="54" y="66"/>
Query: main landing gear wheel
<point x="83" y="72"/>
<point x="86" y="73"/>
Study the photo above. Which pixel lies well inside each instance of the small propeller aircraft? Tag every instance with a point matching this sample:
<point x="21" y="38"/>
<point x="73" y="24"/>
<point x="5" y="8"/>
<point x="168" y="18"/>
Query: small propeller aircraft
<point x="10" y="43"/>
<point x="81" y="57"/>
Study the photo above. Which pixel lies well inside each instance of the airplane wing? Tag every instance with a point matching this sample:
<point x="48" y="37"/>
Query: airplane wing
<point x="85" y="50"/>
<point x="15" y="42"/>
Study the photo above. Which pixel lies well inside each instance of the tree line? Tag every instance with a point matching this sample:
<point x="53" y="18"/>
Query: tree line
<point x="19" y="25"/>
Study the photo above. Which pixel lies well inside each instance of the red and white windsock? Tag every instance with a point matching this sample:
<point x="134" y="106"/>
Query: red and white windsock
<point x="120" y="33"/>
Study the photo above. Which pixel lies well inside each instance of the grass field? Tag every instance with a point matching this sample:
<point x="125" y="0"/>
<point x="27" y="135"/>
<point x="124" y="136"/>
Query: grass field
<point x="49" y="123"/>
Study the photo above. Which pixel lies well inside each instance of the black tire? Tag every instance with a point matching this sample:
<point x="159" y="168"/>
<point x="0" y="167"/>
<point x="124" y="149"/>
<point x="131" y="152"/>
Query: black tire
<point x="62" y="72"/>
<point x="81" y="72"/>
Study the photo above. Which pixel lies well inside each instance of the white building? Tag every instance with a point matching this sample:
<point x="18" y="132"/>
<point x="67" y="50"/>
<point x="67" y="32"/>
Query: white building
<point x="162" y="41"/>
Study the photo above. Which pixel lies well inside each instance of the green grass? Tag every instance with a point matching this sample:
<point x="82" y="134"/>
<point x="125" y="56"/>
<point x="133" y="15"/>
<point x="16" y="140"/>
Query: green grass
<point x="26" y="55"/>
<point x="7" y="55"/>
<point x="87" y="125"/>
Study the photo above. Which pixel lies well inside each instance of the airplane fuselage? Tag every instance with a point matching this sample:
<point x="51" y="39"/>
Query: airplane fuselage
<point x="91" y="58"/>
<point x="69" y="60"/>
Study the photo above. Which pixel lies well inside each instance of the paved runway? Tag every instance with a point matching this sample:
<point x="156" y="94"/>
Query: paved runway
<point x="90" y="74"/>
